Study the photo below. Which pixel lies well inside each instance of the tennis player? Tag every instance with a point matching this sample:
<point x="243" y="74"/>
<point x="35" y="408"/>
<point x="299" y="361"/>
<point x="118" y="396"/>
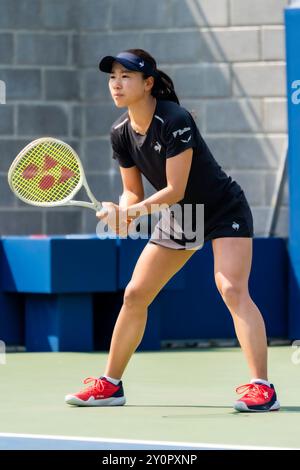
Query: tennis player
<point x="158" y="138"/>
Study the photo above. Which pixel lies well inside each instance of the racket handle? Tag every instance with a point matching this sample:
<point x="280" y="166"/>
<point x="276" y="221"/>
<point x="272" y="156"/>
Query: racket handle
<point x="103" y="230"/>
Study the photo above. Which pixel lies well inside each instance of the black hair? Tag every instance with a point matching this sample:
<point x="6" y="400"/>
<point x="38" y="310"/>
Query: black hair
<point x="163" y="88"/>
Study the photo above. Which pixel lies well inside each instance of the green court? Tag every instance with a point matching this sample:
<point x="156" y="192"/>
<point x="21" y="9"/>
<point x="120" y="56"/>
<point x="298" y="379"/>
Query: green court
<point x="181" y="396"/>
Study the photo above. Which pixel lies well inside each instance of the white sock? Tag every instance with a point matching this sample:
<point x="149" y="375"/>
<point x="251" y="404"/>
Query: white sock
<point x="113" y="381"/>
<point x="260" y="381"/>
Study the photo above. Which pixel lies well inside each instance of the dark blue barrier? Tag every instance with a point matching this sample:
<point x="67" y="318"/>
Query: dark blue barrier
<point x="11" y="319"/>
<point x="59" y="264"/>
<point x="61" y="322"/>
<point x="294" y="304"/>
<point x="269" y="284"/>
<point x="68" y="269"/>
<point x="60" y="293"/>
<point x="195" y="310"/>
<point x="200" y="313"/>
<point x="11" y="313"/>
<point x="292" y="23"/>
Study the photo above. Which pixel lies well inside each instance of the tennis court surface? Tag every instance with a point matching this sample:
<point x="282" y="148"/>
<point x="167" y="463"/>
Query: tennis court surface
<point x="175" y="400"/>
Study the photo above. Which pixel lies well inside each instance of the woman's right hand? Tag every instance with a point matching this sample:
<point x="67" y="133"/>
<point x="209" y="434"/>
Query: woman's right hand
<point x="115" y="217"/>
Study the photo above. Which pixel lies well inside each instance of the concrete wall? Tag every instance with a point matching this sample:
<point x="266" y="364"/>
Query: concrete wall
<point x="227" y="60"/>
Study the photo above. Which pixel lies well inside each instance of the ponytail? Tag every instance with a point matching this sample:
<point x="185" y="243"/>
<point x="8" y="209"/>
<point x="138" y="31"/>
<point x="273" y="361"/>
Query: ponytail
<point x="163" y="88"/>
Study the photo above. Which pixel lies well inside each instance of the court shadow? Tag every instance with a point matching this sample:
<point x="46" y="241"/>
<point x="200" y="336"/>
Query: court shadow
<point x="283" y="409"/>
<point x="290" y="409"/>
<point x="179" y="406"/>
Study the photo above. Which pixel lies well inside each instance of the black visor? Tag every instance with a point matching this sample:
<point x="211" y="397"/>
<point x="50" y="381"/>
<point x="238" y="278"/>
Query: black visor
<point x="130" y="61"/>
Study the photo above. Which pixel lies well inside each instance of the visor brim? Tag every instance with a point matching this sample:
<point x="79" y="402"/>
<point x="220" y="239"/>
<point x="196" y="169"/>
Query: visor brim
<point x="106" y="64"/>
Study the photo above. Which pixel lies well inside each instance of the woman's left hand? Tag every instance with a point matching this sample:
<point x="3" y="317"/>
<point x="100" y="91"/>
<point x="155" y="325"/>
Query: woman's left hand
<point x="116" y="217"/>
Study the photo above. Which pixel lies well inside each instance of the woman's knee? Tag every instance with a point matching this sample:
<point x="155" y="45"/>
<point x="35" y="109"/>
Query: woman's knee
<point x="233" y="293"/>
<point x="135" y="295"/>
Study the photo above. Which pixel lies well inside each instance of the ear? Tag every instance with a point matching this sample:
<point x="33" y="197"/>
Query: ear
<point x="149" y="83"/>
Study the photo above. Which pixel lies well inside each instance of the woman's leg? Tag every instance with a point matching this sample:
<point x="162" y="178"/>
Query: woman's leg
<point x="232" y="265"/>
<point x="155" y="267"/>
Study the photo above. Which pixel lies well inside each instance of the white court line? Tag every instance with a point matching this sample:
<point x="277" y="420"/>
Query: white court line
<point x="195" y="445"/>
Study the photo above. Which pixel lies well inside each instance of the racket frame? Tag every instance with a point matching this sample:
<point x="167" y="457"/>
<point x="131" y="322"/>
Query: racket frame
<point x="68" y="201"/>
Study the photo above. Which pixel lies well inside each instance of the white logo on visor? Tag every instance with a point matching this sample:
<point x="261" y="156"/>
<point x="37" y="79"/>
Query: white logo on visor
<point x="181" y="131"/>
<point x="142" y="63"/>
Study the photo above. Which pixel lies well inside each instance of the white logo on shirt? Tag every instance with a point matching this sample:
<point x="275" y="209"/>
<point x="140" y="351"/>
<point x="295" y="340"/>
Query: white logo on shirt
<point x="142" y="63"/>
<point x="157" y="147"/>
<point x="185" y="141"/>
<point x="235" y="226"/>
<point x="181" y="131"/>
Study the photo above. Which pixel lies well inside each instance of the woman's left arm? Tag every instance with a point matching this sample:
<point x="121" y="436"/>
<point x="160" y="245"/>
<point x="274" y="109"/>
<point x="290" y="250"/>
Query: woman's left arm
<point x="177" y="173"/>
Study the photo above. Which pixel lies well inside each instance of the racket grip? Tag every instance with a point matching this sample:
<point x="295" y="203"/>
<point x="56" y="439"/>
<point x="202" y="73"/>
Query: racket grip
<point x="101" y="211"/>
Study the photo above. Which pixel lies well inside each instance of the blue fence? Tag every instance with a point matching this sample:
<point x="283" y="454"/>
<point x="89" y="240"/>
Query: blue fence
<point x="64" y="293"/>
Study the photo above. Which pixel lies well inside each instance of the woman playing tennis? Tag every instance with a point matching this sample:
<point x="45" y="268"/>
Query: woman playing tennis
<point x="159" y="139"/>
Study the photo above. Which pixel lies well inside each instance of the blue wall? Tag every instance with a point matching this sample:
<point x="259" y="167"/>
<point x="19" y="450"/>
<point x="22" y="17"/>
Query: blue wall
<point x="58" y="293"/>
<point x="292" y="22"/>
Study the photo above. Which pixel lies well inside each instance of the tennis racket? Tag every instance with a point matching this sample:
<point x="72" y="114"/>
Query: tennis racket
<point x="48" y="173"/>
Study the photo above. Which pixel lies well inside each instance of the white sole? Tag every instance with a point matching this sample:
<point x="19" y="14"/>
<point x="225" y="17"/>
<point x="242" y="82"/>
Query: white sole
<point x="241" y="406"/>
<point x="113" y="401"/>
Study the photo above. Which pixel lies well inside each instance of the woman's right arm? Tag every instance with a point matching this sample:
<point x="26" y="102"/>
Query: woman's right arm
<point x="133" y="189"/>
<point x="133" y="193"/>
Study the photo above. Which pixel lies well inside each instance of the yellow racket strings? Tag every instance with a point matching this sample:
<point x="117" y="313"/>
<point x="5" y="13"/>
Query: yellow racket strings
<point x="48" y="172"/>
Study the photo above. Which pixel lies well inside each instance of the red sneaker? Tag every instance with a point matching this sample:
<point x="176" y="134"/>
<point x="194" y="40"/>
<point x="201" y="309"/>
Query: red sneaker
<point x="101" y="393"/>
<point x="258" y="397"/>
